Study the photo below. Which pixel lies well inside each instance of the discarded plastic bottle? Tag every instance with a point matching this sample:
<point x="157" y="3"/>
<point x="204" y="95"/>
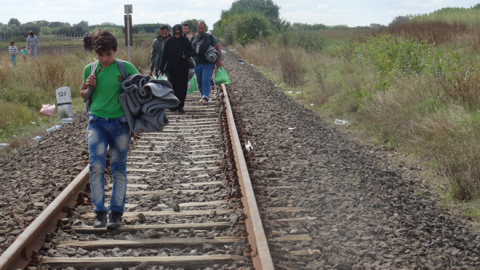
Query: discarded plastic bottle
<point x="57" y="127"/>
<point x="4" y="145"/>
<point x="50" y="129"/>
<point x="67" y="120"/>
<point x="341" y="122"/>
<point x="37" y="139"/>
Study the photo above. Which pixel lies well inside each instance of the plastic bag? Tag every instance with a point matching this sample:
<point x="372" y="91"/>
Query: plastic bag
<point x="48" y="109"/>
<point x="222" y="77"/>
<point x="192" y="85"/>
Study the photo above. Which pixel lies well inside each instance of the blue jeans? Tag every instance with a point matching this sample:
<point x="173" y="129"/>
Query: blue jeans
<point x="14" y="60"/>
<point x="114" y="133"/>
<point x="204" y="73"/>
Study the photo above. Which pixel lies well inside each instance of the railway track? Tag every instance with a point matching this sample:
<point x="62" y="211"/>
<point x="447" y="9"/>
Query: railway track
<point x="190" y="205"/>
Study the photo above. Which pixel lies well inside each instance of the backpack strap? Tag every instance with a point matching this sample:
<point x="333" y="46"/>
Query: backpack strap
<point x="121" y="67"/>
<point x="93" y="67"/>
<point x="91" y="89"/>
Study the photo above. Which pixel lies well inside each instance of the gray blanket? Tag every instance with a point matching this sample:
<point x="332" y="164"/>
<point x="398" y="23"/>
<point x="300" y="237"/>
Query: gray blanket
<point x="145" y="101"/>
<point x="211" y="54"/>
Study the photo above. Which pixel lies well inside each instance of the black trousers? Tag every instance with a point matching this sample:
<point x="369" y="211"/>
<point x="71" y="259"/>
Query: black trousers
<point x="178" y="77"/>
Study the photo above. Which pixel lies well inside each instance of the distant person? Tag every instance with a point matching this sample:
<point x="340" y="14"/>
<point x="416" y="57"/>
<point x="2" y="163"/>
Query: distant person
<point x="204" y="68"/>
<point x="24" y="52"/>
<point x="90" y="43"/>
<point x="186" y="31"/>
<point x="13" y="53"/>
<point x="107" y="129"/>
<point x="87" y="42"/>
<point x="33" y="44"/>
<point x="157" y="50"/>
<point x="192" y="33"/>
<point x="174" y="63"/>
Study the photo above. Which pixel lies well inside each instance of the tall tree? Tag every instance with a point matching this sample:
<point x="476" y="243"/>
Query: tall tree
<point x="248" y="16"/>
<point x="14" y="21"/>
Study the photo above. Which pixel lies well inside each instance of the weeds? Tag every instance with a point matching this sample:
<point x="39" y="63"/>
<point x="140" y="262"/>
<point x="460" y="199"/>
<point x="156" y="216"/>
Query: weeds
<point x="291" y="67"/>
<point x="414" y="87"/>
<point x="32" y="83"/>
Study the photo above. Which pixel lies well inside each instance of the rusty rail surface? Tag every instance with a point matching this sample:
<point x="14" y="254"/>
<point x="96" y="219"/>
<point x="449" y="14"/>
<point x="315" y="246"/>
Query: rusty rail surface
<point x="256" y="235"/>
<point x="23" y="250"/>
<point x="25" y="247"/>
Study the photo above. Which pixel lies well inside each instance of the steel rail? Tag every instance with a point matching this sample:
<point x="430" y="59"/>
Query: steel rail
<point x="23" y="249"/>
<point x="260" y="251"/>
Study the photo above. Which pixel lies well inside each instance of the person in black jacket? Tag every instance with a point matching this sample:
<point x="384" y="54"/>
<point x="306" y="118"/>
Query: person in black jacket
<point x="174" y="63"/>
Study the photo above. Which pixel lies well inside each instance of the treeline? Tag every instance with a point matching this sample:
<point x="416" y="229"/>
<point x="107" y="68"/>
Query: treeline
<point x="245" y="19"/>
<point x="18" y="31"/>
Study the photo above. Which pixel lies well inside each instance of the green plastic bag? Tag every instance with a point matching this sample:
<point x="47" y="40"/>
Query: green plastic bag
<point x="193" y="85"/>
<point x="222" y="77"/>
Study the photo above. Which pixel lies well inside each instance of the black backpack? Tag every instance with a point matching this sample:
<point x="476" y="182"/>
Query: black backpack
<point x="200" y="46"/>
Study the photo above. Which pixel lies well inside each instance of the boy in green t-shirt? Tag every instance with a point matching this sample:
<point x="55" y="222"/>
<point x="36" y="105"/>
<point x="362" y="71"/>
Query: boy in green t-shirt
<point x="107" y="127"/>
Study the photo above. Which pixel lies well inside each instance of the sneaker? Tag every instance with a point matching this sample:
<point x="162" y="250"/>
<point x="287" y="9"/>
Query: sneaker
<point x="100" y="219"/>
<point x="182" y="111"/>
<point x="114" y="220"/>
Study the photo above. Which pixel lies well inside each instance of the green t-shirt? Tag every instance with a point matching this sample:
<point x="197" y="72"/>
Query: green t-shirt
<point x="105" y="102"/>
<point x="201" y="60"/>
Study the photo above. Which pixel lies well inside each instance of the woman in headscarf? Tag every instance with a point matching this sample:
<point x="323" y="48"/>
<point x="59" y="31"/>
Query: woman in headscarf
<point x="174" y="63"/>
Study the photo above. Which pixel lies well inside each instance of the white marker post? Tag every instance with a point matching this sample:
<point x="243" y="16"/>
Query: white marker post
<point x="128" y="11"/>
<point x="64" y="102"/>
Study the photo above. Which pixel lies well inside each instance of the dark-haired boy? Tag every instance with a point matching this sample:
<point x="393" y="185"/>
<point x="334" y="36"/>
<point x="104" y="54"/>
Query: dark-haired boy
<point x="107" y="128"/>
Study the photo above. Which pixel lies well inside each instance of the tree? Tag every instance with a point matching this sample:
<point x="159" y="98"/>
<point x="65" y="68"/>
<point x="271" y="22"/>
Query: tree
<point x="64" y="30"/>
<point x="27" y="27"/>
<point x="84" y="23"/>
<point x="400" y="20"/>
<point x="265" y="7"/>
<point x="147" y="28"/>
<point x="14" y="21"/>
<point x="41" y="23"/>
<point x="79" y="29"/>
<point x="107" y="24"/>
<point x="45" y="30"/>
<point x="239" y="21"/>
<point x="57" y="24"/>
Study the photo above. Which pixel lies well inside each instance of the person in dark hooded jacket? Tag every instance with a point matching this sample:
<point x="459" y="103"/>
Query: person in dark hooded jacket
<point x="174" y="63"/>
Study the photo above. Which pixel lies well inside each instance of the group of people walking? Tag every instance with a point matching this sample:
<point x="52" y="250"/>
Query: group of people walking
<point x="107" y="125"/>
<point x="170" y="56"/>
<point x="32" y="45"/>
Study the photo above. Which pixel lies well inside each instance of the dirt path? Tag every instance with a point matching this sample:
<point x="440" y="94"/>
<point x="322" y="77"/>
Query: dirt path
<point x="363" y="212"/>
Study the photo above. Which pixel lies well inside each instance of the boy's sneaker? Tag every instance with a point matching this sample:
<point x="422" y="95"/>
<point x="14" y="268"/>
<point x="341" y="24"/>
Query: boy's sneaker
<point x="100" y="219"/>
<point x="114" y="220"/>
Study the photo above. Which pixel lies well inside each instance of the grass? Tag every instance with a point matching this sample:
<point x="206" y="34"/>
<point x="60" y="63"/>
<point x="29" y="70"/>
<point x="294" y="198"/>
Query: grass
<point x="403" y="87"/>
<point x="32" y="83"/>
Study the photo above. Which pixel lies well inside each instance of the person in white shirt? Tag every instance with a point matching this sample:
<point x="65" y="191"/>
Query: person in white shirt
<point x="13" y="53"/>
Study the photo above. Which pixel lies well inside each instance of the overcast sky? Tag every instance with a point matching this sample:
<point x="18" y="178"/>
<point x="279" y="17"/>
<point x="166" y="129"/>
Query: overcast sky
<point x="328" y="12"/>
